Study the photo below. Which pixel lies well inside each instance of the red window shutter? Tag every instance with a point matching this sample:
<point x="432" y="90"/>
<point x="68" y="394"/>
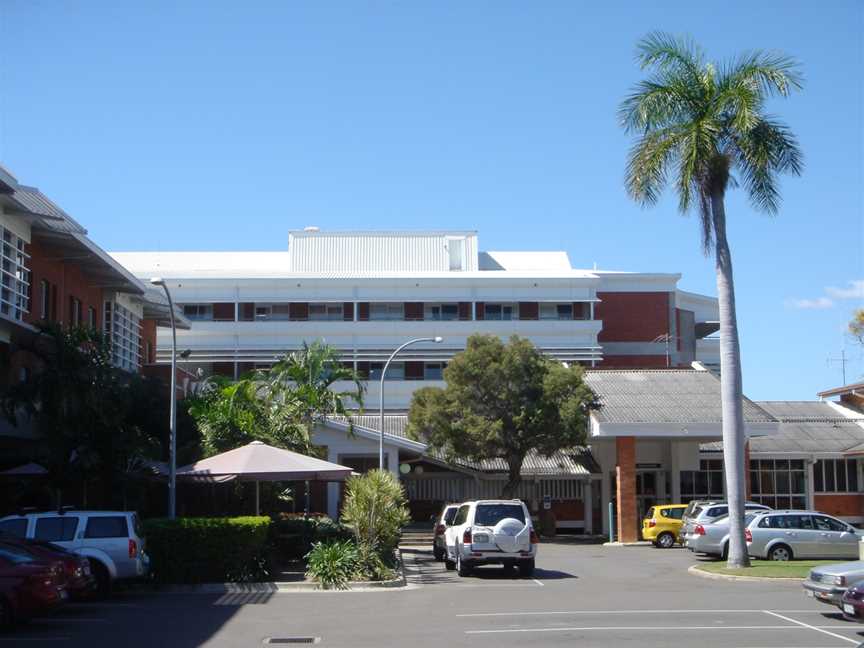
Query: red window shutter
<point x="414" y="311"/>
<point x="529" y="310"/>
<point x="481" y="310"/>
<point x="223" y="312"/>
<point x="363" y="311"/>
<point x="298" y="311"/>
<point x="413" y="371"/>
<point x="581" y="311"/>
<point x="246" y="311"/>
<point x="348" y="311"/>
<point x="464" y="311"/>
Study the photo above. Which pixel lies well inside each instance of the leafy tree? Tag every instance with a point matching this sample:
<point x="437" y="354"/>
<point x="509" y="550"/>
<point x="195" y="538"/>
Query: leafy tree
<point x="856" y="325"/>
<point x="376" y="509"/>
<point x="696" y="122"/>
<point x="501" y="402"/>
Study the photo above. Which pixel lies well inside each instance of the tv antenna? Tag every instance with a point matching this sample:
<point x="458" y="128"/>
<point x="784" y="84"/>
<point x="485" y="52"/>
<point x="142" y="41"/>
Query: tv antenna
<point x="842" y="361"/>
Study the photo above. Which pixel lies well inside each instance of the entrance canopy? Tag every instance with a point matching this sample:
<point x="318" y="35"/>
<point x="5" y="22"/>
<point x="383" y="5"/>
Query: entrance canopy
<point x="258" y="461"/>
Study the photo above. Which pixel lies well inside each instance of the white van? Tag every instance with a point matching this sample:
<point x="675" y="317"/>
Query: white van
<point x="113" y="541"/>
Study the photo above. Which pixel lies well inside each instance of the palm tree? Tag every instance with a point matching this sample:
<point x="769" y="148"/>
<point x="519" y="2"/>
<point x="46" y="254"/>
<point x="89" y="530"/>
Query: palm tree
<point x="697" y="122"/>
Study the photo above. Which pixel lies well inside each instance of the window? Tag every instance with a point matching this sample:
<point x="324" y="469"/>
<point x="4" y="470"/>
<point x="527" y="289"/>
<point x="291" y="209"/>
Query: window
<point x="91" y="317"/>
<point x="835" y="476"/>
<point x="705" y="483"/>
<point x="325" y="312"/>
<point x="717" y="511"/>
<point x="462" y="515"/>
<point x="123" y="328"/>
<point x="17" y="528"/>
<point x="492" y="514"/>
<point x="396" y="371"/>
<point x="778" y="483"/>
<point x="14" y="276"/>
<point x="106" y="527"/>
<point x="824" y="523"/>
<point x="449" y="515"/>
<point x="499" y="312"/>
<point x="556" y="311"/>
<point x="198" y="311"/>
<point x="434" y="371"/>
<point x="56" y="529"/>
<point x="442" y="312"/>
<point x="74" y="311"/>
<point x="386" y="312"/>
<point x="672" y="513"/>
<point x="44" y="300"/>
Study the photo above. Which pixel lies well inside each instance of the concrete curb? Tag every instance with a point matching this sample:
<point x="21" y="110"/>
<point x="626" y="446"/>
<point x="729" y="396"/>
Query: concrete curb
<point x="694" y="569"/>
<point x="639" y="543"/>
<point x="277" y="587"/>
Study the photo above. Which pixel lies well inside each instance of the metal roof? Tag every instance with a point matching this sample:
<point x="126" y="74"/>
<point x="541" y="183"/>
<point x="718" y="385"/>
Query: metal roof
<point x="805" y="426"/>
<point x="52" y="216"/>
<point x="662" y="396"/>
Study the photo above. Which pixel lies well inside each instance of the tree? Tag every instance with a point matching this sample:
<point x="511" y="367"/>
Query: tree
<point x="856" y="325"/>
<point x="698" y="122"/>
<point x="503" y="401"/>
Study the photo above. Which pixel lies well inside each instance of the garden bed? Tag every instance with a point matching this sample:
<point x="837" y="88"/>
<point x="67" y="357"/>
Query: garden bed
<point x="793" y="569"/>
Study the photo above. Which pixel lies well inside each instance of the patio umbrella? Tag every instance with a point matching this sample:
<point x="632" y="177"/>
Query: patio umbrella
<point x="259" y="462"/>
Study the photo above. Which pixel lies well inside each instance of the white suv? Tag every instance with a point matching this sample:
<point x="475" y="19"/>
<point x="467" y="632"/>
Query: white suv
<point x="113" y="541"/>
<point x="488" y="532"/>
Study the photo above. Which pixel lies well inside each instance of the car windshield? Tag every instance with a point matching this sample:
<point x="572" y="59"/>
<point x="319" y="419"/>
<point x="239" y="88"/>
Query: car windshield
<point x="492" y="514"/>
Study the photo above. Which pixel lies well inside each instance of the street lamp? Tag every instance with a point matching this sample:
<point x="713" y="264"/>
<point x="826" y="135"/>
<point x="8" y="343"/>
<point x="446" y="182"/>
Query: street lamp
<point x="172" y="435"/>
<point x="437" y="340"/>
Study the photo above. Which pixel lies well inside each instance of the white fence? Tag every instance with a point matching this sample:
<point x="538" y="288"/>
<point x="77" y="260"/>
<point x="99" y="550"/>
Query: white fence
<point x="458" y="488"/>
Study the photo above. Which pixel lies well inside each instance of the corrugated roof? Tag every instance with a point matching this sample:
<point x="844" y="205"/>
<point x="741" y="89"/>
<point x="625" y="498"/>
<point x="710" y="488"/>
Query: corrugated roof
<point x="576" y="461"/>
<point x="35" y="202"/>
<point x="807" y="427"/>
<point x="662" y="396"/>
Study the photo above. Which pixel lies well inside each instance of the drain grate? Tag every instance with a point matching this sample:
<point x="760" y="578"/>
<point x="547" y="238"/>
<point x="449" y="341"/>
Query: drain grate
<point x="292" y="640"/>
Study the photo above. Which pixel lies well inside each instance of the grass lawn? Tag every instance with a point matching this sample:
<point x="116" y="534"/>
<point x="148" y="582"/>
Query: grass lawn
<point x="768" y="568"/>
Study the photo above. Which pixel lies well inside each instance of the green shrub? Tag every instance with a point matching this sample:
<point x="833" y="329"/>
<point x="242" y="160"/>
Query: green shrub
<point x="333" y="564"/>
<point x="201" y="550"/>
<point x="370" y="565"/>
<point x="376" y="509"/>
<point x="293" y="535"/>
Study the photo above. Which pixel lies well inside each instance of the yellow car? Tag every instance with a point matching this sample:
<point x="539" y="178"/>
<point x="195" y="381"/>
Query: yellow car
<point x="662" y="524"/>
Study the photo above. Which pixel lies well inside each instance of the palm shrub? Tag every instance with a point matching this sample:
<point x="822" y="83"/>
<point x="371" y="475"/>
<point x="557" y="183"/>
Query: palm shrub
<point x="333" y="563"/>
<point x="376" y="509"/>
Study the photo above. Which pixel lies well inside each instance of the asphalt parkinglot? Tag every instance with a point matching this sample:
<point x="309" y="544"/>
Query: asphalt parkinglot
<point x="580" y="595"/>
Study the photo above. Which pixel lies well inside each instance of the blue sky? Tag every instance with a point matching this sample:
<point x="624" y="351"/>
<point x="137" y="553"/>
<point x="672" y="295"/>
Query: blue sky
<point x="222" y="125"/>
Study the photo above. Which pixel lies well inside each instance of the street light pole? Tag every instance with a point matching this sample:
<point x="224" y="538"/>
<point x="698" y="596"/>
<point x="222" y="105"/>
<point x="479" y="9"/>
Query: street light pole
<point x="172" y="435"/>
<point x="437" y="340"/>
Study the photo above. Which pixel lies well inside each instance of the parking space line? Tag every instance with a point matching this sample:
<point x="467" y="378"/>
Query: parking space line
<point x="538" y="582"/>
<point x="501" y="614"/>
<point x="807" y="625"/>
<point x="675" y="628"/>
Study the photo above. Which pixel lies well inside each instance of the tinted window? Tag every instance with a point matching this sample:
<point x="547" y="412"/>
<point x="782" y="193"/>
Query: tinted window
<point x="461" y="515"/>
<point x="106" y="527"/>
<point x="56" y="529"/>
<point x="829" y="524"/>
<point x="492" y="514"/>
<point x="674" y="513"/>
<point x="450" y="515"/>
<point x="717" y="511"/>
<point x="17" y="528"/>
<point x="801" y="521"/>
<point x="650" y="512"/>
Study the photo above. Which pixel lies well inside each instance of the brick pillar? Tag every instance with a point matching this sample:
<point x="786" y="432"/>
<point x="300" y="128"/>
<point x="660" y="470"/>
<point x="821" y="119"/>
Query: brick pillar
<point x="625" y="468"/>
<point x="747" y="470"/>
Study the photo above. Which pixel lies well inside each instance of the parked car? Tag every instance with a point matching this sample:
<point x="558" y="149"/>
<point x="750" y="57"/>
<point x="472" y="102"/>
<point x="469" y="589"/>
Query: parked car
<point x="704" y="511"/>
<point x="828" y="583"/>
<point x="488" y="532"/>
<point x="662" y="524"/>
<point x="784" y="535"/>
<point x="80" y="581"/>
<point x="113" y="541"/>
<point x="28" y="587"/>
<point x="852" y="603"/>
<point x="442" y="521"/>
<point x="712" y="538"/>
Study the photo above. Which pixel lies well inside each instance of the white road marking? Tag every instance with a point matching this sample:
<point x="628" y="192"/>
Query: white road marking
<point x="538" y="582"/>
<point x="675" y="628"/>
<point x="807" y="625"/>
<point x="501" y="614"/>
<point x="67" y="619"/>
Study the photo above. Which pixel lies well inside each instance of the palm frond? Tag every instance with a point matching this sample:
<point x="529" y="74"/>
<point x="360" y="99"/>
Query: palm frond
<point x="771" y="72"/>
<point x="648" y="163"/>
<point x="665" y="51"/>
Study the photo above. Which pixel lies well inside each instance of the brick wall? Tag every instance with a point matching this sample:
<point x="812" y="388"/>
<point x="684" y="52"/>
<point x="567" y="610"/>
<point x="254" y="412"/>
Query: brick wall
<point x="843" y="505"/>
<point x="625" y="459"/>
<point x="632" y="316"/>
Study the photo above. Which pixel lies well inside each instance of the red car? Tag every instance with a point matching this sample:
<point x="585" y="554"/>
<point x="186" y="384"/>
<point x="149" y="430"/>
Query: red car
<point x="28" y="587"/>
<point x="80" y="580"/>
<point x="852" y="603"/>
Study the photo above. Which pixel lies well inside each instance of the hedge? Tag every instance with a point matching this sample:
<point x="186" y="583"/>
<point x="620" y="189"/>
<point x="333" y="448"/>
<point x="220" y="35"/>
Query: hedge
<point x="202" y="550"/>
<point x="293" y="534"/>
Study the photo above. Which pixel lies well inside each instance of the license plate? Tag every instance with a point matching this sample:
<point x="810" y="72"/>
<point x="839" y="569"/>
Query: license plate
<point x="481" y="537"/>
<point x="848" y="609"/>
<point x="809" y="593"/>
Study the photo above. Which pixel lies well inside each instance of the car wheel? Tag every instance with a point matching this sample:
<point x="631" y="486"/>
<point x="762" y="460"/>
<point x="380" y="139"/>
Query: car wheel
<point x="449" y="565"/>
<point x="526" y="568"/>
<point x="724" y="552"/>
<point x="462" y="568"/>
<point x="7" y="619"/>
<point x="103" y="579"/>
<point x="438" y="554"/>
<point x="780" y="553"/>
<point x="665" y="541"/>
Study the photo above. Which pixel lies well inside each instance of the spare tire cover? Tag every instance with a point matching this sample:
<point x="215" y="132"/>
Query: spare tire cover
<point x="511" y="535"/>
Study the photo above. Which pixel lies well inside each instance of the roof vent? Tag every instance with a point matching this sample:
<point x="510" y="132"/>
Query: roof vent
<point x="311" y="228"/>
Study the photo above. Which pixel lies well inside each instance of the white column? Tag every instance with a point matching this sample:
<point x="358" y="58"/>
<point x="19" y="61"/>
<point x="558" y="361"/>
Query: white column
<point x="473" y="311"/>
<point x="810" y="485"/>
<point x="332" y="489"/>
<point x="392" y="460"/>
<point x="355" y="311"/>
<point x="588" y="503"/>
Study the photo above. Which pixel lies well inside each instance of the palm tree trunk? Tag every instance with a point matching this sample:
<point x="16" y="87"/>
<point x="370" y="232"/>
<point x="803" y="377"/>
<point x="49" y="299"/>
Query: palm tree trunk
<point x="730" y="389"/>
